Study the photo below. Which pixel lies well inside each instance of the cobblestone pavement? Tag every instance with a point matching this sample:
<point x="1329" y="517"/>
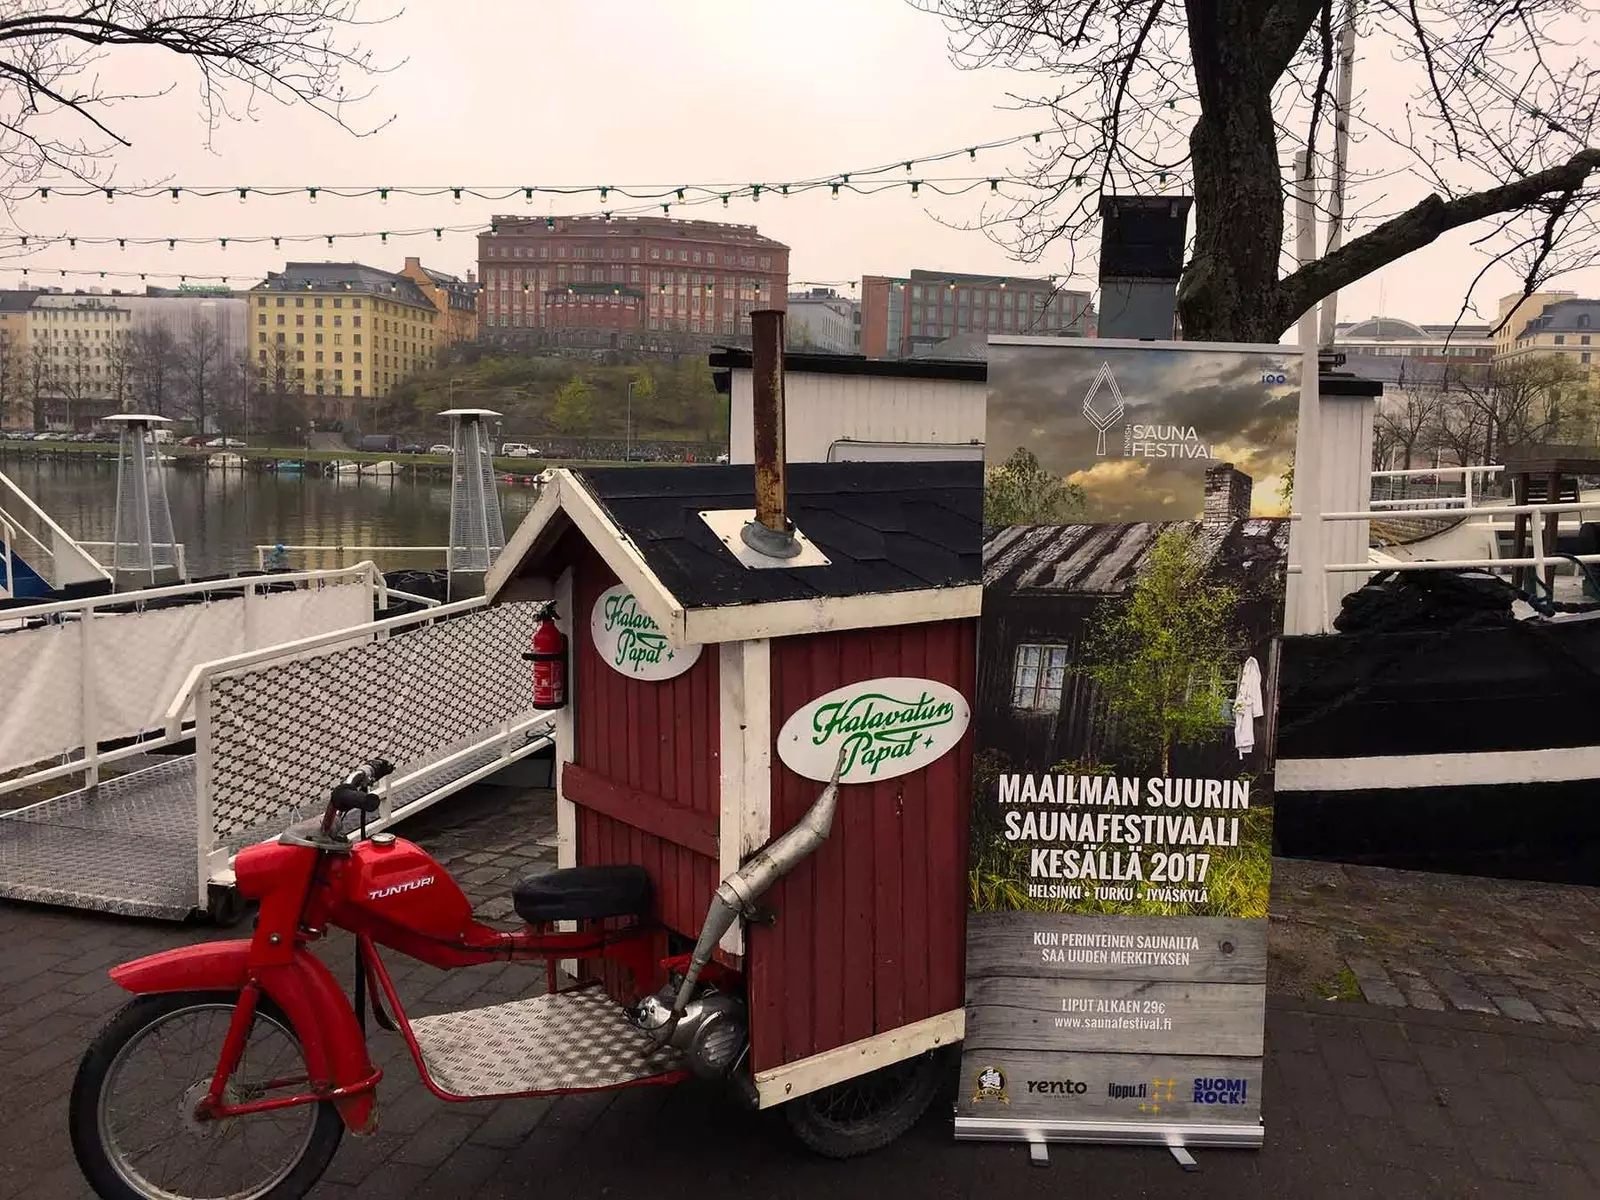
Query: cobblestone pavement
<point x="1529" y="951"/>
<point x="1360" y="1099"/>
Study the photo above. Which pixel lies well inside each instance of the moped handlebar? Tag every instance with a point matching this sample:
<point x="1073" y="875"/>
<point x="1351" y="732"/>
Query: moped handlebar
<point x="351" y="794"/>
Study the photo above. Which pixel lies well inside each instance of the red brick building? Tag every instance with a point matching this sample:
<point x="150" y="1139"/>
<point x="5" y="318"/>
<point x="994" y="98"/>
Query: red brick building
<point x="625" y="281"/>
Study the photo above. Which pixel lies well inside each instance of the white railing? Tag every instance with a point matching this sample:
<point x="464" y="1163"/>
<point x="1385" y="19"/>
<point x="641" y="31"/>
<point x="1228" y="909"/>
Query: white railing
<point x="91" y="726"/>
<point x="1468" y="475"/>
<point x="342" y="549"/>
<point x="66" y="560"/>
<point x="438" y="757"/>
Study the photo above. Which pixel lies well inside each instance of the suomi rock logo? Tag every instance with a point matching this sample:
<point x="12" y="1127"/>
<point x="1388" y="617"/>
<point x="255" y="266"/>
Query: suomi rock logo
<point x="884" y="727"/>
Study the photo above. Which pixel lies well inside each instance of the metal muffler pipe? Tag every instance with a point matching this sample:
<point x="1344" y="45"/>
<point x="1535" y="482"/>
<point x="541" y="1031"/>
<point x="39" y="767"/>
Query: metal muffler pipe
<point x="736" y="895"/>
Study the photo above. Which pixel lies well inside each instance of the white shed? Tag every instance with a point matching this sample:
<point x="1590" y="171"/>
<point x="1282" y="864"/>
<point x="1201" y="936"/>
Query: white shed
<point x="845" y="407"/>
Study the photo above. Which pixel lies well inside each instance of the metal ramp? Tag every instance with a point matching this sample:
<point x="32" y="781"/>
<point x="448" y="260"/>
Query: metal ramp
<point x="128" y="845"/>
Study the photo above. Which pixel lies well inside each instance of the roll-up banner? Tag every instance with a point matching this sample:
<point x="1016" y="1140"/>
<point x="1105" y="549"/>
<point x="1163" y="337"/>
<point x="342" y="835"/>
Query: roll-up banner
<point x="1135" y="560"/>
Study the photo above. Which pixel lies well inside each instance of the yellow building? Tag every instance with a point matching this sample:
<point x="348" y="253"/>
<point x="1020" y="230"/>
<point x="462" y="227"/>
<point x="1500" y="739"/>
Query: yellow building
<point x="1549" y="323"/>
<point x="455" y="298"/>
<point x="341" y="334"/>
<point x="16" y="404"/>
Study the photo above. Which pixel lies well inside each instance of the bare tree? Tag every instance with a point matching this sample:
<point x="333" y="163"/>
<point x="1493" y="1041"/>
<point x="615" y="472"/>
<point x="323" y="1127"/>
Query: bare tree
<point x="12" y="393"/>
<point x="57" y="116"/>
<point x="71" y="379"/>
<point x="119" y="364"/>
<point x="203" y="367"/>
<point x="1518" y="403"/>
<point x="1155" y="96"/>
<point x="153" y="368"/>
<point x="1409" y="409"/>
<point x="36" y="383"/>
<point x="280" y="390"/>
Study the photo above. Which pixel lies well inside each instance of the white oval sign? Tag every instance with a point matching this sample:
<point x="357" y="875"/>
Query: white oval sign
<point x="883" y="727"/>
<point x="631" y="642"/>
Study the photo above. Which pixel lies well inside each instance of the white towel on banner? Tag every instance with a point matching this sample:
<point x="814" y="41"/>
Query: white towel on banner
<point x="1247" y="707"/>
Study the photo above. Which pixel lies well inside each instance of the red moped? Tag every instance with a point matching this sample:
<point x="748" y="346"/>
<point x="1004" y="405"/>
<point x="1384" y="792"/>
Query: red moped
<point x="239" y="1064"/>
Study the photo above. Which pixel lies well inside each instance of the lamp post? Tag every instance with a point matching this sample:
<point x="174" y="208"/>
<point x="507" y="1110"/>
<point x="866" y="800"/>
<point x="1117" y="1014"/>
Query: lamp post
<point x="627" y="453"/>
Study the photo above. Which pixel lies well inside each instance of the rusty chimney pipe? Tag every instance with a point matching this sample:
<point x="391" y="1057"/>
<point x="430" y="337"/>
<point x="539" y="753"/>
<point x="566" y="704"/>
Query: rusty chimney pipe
<point x="771" y="533"/>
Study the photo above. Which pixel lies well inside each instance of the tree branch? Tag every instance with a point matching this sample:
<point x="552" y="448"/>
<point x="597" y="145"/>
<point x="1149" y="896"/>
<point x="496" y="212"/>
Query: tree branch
<point x="1422" y="224"/>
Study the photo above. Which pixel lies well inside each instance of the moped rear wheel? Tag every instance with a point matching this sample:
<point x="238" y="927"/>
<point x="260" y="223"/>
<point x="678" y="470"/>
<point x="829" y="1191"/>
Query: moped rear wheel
<point x="865" y="1114"/>
<point x="132" y="1119"/>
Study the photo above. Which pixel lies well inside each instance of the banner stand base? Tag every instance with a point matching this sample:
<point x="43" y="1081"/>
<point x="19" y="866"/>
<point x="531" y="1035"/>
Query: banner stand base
<point x="1179" y="1139"/>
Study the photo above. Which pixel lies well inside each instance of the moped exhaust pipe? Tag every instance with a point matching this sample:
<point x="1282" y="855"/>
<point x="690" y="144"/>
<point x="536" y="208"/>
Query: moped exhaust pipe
<point x="737" y="894"/>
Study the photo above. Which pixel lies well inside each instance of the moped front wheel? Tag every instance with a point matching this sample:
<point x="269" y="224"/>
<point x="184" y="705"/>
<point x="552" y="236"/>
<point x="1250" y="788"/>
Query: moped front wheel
<point x="132" y="1118"/>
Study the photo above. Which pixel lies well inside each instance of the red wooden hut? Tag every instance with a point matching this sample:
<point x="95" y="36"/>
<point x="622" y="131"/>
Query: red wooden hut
<point x="690" y="652"/>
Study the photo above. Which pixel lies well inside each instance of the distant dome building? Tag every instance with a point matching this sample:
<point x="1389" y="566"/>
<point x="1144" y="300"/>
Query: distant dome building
<point x="1391" y="337"/>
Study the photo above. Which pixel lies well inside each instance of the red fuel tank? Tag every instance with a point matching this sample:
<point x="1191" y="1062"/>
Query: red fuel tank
<point x="397" y="881"/>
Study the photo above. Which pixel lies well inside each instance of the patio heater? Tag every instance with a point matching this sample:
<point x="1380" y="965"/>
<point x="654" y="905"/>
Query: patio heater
<point x="477" y="534"/>
<point x="141" y="534"/>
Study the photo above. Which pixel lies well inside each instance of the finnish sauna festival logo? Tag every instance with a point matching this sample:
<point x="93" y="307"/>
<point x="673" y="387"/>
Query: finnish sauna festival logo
<point x="1103" y="408"/>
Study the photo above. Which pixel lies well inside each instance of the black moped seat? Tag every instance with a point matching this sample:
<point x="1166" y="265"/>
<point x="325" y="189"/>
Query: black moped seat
<point x="584" y="894"/>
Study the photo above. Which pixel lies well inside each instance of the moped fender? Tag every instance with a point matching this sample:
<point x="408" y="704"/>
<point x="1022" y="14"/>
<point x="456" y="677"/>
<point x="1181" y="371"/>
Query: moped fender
<point x="304" y="988"/>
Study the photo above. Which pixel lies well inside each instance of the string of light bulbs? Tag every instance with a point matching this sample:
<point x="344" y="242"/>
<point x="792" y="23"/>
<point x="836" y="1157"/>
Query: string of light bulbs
<point x="945" y="187"/>
<point x="30" y="274"/>
<point x="652" y="192"/>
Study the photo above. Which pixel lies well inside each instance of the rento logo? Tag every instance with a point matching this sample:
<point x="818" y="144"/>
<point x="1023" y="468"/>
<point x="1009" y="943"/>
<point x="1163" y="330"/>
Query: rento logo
<point x="874" y="728"/>
<point x="639" y="639"/>
<point x="1058" y="1087"/>
<point x="991" y="1086"/>
<point x="1220" y="1091"/>
<point x="396" y="889"/>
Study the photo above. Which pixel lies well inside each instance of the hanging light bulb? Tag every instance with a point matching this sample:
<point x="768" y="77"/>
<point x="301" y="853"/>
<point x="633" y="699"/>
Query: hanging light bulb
<point x="438" y="235"/>
<point x="224" y="242"/>
<point x="915" y="184"/>
<point x="274" y="243"/>
<point x="724" y="199"/>
<point x="330" y="239"/>
<point x="383" y="195"/>
<point x="604" y="191"/>
<point x="44" y="195"/>
<point x="244" y="194"/>
<point x="175" y="192"/>
<point x="383" y="238"/>
<point x="456" y="194"/>
<point x="680" y="193"/>
<point x="972" y="153"/>
<point x="665" y="207"/>
<point x="994" y="187"/>
<point x="527" y="195"/>
<point x="311" y="194"/>
<point x="834" y="187"/>
<point x="172" y="243"/>
<point x="111" y="195"/>
<point x="755" y="191"/>
<point x="908" y="164"/>
<point x="122" y="243"/>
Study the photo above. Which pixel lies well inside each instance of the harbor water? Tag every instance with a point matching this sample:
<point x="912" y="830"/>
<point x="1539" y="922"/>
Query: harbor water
<point x="220" y="516"/>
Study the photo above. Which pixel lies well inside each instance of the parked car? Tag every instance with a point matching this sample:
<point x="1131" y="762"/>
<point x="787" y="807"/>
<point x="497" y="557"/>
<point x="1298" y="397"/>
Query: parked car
<point x="196" y="440"/>
<point x="722" y="458"/>
<point x="47" y="436"/>
<point x="224" y="443"/>
<point x="440" y="448"/>
<point x="517" y="450"/>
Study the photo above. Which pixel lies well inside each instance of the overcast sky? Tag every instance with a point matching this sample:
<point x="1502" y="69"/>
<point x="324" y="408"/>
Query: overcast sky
<point x="512" y="92"/>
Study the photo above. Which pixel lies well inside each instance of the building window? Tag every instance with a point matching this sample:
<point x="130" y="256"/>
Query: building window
<point x="633" y="252"/>
<point x="1037" y="677"/>
<point x="1584" y="340"/>
<point x="300" y="339"/>
<point x="1584" y="357"/>
<point x="1561" y="339"/>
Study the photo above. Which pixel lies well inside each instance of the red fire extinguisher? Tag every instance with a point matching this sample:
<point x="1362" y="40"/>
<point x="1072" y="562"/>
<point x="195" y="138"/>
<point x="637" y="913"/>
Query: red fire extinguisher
<point x="549" y="658"/>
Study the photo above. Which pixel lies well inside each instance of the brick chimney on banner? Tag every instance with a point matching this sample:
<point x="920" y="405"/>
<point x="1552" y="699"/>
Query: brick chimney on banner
<point x="1227" y="494"/>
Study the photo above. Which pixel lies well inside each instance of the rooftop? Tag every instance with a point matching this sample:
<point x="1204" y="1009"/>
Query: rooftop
<point x="17" y="301"/>
<point x="1385" y="329"/>
<point x="885" y="526"/>
<point x="1103" y="559"/>
<point x="1565" y="316"/>
<point x="957" y="277"/>
<point x="344" y="277"/>
<point x="660" y="227"/>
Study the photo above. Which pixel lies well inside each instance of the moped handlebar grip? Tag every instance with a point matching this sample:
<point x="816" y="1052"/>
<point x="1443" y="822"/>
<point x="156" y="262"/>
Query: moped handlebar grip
<point x="350" y="798"/>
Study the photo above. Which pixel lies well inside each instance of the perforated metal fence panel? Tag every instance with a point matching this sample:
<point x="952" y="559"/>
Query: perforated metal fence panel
<point x="277" y="738"/>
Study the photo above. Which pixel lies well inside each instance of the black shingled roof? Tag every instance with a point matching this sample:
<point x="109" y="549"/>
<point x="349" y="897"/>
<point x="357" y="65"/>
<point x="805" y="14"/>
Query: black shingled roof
<point x="885" y="526"/>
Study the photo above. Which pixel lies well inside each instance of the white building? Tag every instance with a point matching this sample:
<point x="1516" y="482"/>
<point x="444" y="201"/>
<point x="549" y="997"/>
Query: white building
<point x="824" y="322"/>
<point x="77" y="365"/>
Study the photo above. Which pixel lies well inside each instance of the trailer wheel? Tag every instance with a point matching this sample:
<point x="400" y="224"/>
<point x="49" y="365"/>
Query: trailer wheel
<point x="865" y="1114"/>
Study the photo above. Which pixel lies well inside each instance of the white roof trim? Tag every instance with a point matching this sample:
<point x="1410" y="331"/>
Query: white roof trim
<point x="565" y="493"/>
<point x="793" y="618"/>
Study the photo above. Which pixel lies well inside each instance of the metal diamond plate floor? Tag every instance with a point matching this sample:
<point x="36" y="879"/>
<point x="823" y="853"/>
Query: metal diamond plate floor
<point x="566" y="1042"/>
<point x="131" y="845"/>
<point x="127" y="846"/>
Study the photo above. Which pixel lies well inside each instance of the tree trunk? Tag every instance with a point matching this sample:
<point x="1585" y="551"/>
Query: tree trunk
<point x="1230" y="289"/>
